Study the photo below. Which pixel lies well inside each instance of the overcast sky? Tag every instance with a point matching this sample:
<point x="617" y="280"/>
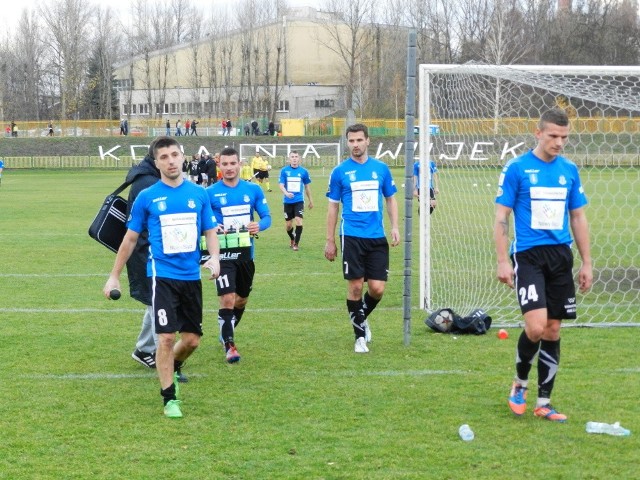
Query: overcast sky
<point x="11" y="10"/>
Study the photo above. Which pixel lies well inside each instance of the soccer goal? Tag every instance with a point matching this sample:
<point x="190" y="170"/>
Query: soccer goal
<point x="326" y="155"/>
<point x="473" y="119"/>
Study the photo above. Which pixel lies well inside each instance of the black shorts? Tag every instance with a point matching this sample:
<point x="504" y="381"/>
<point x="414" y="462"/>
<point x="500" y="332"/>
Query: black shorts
<point x="236" y="277"/>
<point x="293" y="210"/>
<point x="260" y="174"/>
<point x="177" y="305"/>
<point x="365" y="257"/>
<point x="544" y="279"/>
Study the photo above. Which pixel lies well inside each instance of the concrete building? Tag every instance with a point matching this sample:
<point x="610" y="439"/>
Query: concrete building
<point x="284" y="66"/>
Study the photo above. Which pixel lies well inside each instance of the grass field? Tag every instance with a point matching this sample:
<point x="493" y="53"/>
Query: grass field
<point x="300" y="404"/>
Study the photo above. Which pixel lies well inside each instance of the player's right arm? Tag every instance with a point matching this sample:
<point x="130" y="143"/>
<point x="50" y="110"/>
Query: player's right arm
<point x="124" y="252"/>
<point x="504" y="270"/>
<point x="330" y="249"/>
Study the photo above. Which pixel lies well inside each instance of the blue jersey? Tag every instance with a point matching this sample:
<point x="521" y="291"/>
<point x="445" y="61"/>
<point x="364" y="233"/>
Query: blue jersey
<point x="416" y="173"/>
<point x="175" y="217"/>
<point x="541" y="194"/>
<point x="235" y="206"/>
<point x="1" y="164"/>
<point x="360" y="188"/>
<point x="294" y="181"/>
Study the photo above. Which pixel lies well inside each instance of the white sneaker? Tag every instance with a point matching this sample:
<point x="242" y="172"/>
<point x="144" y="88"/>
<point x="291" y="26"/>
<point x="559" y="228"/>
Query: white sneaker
<point x="367" y="331"/>
<point x="361" y="345"/>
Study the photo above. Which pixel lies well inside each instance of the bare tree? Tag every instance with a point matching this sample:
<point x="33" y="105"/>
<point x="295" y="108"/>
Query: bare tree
<point x="349" y="37"/>
<point x="69" y="23"/>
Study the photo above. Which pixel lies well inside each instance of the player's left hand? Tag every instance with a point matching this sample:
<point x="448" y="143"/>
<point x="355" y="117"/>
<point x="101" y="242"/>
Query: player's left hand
<point x="213" y="264"/>
<point x="395" y="237"/>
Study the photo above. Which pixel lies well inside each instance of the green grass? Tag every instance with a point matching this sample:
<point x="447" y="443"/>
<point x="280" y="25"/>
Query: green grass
<point x="300" y="404"/>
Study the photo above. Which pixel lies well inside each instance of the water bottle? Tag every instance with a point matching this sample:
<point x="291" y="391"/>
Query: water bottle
<point x="244" y="239"/>
<point x="232" y="238"/>
<point x="222" y="240"/>
<point x="609" y="429"/>
<point x="203" y="243"/>
<point x="466" y="433"/>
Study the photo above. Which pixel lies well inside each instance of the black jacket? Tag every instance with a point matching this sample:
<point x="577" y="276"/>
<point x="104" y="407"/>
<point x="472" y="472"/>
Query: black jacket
<point x="143" y="175"/>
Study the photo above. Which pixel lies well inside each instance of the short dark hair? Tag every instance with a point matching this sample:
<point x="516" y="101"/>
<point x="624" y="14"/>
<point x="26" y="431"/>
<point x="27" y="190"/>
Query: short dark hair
<point x="357" y="127"/>
<point x="163" y="142"/>
<point x="228" y="151"/>
<point x="557" y="116"/>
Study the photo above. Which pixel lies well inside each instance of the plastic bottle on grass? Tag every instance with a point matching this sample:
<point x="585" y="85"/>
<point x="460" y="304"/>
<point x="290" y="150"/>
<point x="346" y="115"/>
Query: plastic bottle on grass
<point x="466" y="433"/>
<point x="607" y="428"/>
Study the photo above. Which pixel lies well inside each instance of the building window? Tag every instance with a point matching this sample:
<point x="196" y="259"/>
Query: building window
<point x="166" y="108"/>
<point x="133" y="109"/>
<point x="325" y="103"/>
<point x="283" y="106"/>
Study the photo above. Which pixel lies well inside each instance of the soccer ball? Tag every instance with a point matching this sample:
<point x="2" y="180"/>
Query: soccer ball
<point x="444" y="320"/>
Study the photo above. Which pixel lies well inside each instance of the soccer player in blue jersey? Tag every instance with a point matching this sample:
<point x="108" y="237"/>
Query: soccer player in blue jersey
<point x="545" y="194"/>
<point x="176" y="213"/>
<point x="360" y="183"/>
<point x="235" y="203"/>
<point x="293" y="180"/>
<point x="433" y="185"/>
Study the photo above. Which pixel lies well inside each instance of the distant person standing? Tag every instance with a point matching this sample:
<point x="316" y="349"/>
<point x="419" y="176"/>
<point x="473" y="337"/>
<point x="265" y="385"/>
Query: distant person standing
<point x="14" y="129"/>
<point x="294" y="179"/>
<point x="229" y="127"/>
<point x="50" y="129"/>
<point x="271" y="129"/>
<point x="178" y="128"/>
<point x="234" y="204"/>
<point x="223" y="126"/>
<point x="360" y="183"/>
<point x="247" y="129"/>
<point x="254" y="128"/>
<point x="192" y="168"/>
<point x="175" y="213"/>
<point x="194" y="123"/>
<point x="544" y="191"/>
<point x="168" y="128"/>
<point x="187" y="127"/>
<point x="433" y="185"/>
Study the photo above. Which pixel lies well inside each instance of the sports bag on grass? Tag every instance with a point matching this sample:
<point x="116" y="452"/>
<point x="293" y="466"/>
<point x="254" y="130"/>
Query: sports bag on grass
<point x="109" y="226"/>
<point x="446" y="320"/>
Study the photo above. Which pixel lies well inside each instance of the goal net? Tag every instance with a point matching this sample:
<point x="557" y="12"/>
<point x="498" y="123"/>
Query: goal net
<point x="326" y="155"/>
<point x="473" y="119"/>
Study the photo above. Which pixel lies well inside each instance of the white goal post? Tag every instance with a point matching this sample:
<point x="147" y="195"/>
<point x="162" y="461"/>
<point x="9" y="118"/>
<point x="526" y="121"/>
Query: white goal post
<point x="473" y="119"/>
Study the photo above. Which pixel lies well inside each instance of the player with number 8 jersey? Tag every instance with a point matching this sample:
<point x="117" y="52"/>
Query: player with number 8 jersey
<point x="234" y="203"/>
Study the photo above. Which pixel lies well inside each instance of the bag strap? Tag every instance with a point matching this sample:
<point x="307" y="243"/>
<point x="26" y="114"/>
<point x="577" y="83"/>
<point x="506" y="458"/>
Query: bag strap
<point x="118" y="190"/>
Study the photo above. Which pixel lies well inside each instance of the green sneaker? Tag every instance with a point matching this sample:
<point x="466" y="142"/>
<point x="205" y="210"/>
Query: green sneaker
<point x="172" y="409"/>
<point x="176" y="383"/>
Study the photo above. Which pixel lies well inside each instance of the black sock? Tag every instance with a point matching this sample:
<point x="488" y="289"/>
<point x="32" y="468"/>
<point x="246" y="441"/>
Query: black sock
<point x="290" y="233"/>
<point x="168" y="393"/>
<point x="548" y="361"/>
<point x="369" y="304"/>
<point x="356" y="314"/>
<point x="298" y="234"/>
<point x="177" y="365"/>
<point x="525" y="353"/>
<point x="238" y="312"/>
<point x="225" y="319"/>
